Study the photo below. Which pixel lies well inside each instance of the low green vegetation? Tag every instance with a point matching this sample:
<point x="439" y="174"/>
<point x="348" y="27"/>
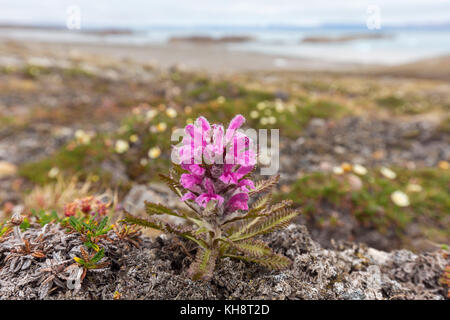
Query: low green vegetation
<point x="371" y="201"/>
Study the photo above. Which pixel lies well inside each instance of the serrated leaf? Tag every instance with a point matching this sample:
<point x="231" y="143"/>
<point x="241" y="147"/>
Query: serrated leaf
<point x="159" y="225"/>
<point x="260" y="204"/>
<point x="254" y="248"/>
<point x="261" y="225"/>
<point x="278" y="206"/>
<point x="257" y="209"/>
<point x="264" y="185"/>
<point x="204" y="263"/>
<point x="156" y="208"/>
<point x="173" y="185"/>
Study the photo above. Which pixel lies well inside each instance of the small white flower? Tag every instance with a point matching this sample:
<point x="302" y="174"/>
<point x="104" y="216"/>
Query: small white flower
<point x="414" y="187"/>
<point x="388" y="173"/>
<point x="261" y="105"/>
<point x="151" y="114"/>
<point x="221" y="99"/>
<point x="400" y="198"/>
<point x="264" y="121"/>
<point x="171" y="112"/>
<point x="254" y="114"/>
<point x="154" y="152"/>
<point x="279" y="106"/>
<point x="272" y="120"/>
<point x="359" y="169"/>
<point x="338" y="170"/>
<point x="121" y="146"/>
<point x="82" y="137"/>
<point x="53" y="173"/>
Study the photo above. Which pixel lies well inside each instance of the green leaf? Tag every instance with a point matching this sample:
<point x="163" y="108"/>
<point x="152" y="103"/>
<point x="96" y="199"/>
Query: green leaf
<point x="174" y="185"/>
<point x="196" y="239"/>
<point x="159" y="225"/>
<point x="278" y="206"/>
<point x="261" y="225"/>
<point x="74" y="223"/>
<point x="204" y="263"/>
<point x="264" y="185"/>
<point x="254" y="248"/>
<point x="260" y="204"/>
<point x="156" y="208"/>
<point x="98" y="256"/>
<point x="103" y="223"/>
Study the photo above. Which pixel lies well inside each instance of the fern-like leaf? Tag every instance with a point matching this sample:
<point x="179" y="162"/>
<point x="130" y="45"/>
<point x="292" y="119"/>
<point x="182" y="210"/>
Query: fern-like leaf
<point x="157" y="224"/>
<point x="264" y="185"/>
<point x="156" y="208"/>
<point x="203" y="266"/>
<point x="173" y="185"/>
<point x="260" y="204"/>
<point x="278" y="206"/>
<point x="253" y="248"/>
<point x="262" y="225"/>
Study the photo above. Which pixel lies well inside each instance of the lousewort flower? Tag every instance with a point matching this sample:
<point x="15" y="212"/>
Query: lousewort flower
<point x="217" y="161"/>
<point x="211" y="175"/>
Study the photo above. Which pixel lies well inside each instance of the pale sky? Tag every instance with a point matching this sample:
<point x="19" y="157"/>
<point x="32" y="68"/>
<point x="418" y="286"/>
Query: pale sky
<point x="139" y="13"/>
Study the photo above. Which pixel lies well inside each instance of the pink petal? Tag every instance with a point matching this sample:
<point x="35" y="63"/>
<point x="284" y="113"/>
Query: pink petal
<point x="242" y="171"/>
<point x="188" y="196"/>
<point x="203" y="123"/>
<point x="237" y="122"/>
<point x="208" y="185"/>
<point x="246" y="185"/>
<point x="189" y="129"/>
<point x="196" y="169"/>
<point x="227" y="174"/>
<point x="189" y="180"/>
<point x="203" y="199"/>
<point x="238" y="202"/>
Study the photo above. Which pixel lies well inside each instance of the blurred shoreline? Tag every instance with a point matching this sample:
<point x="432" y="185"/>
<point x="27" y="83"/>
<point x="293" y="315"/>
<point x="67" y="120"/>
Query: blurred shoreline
<point x="334" y="48"/>
<point x="213" y="57"/>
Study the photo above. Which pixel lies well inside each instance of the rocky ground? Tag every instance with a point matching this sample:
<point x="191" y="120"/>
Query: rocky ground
<point x="370" y="142"/>
<point x="157" y="270"/>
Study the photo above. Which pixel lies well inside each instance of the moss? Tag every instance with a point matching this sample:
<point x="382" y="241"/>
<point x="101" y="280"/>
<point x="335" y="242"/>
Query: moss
<point x="77" y="72"/>
<point x="81" y="159"/>
<point x="34" y="71"/>
<point x="392" y="102"/>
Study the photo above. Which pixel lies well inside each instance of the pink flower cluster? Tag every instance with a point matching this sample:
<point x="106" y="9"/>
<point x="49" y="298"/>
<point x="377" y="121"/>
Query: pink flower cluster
<point x="217" y="161"/>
